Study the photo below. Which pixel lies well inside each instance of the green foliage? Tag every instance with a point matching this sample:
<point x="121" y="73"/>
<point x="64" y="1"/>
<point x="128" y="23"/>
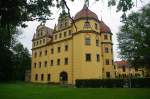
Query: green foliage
<point x="21" y="60"/>
<point x="113" y="83"/>
<point x="133" y="38"/>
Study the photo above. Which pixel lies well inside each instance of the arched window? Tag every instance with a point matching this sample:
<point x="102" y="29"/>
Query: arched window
<point x="48" y="77"/>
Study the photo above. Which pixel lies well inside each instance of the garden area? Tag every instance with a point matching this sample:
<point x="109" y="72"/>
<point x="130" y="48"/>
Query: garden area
<point x="23" y="90"/>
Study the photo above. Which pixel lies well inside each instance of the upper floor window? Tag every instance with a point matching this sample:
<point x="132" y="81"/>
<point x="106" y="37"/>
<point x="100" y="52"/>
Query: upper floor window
<point x="110" y="37"/>
<point x="105" y="37"/>
<point x="98" y="57"/>
<point x="60" y="35"/>
<point x="87" y="41"/>
<point x="45" y="52"/>
<point x="96" y="26"/>
<point x="52" y="62"/>
<point x="107" y="61"/>
<point x="52" y="50"/>
<point x="40" y="41"/>
<point x="65" y="34"/>
<point x="59" y="49"/>
<point x="40" y="54"/>
<point x="37" y="43"/>
<point x="106" y="50"/>
<point x="40" y="64"/>
<point x="66" y="61"/>
<point x="97" y="42"/>
<point x="66" y="47"/>
<point x="34" y="44"/>
<point x="88" y="57"/>
<point x="58" y="61"/>
<point x="34" y="65"/>
<point x="45" y="63"/>
<point x="43" y="40"/>
<point x="55" y="36"/>
<point x="69" y="32"/>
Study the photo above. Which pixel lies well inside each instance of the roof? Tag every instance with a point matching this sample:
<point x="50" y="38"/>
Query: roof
<point x="122" y="63"/>
<point x="104" y="28"/>
<point x="84" y="13"/>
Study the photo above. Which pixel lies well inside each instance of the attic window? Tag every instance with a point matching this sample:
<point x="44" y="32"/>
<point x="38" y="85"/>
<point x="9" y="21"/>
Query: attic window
<point x="87" y="24"/>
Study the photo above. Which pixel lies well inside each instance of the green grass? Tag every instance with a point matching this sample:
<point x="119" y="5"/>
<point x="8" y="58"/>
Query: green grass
<point x="37" y="91"/>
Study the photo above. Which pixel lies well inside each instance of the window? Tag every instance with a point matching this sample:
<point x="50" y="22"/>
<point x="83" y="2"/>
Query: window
<point x="66" y="61"/>
<point x="45" y="63"/>
<point x="42" y="77"/>
<point x="43" y="40"/>
<point x="40" y="64"/>
<point x="52" y="50"/>
<point x="110" y="37"/>
<point x="34" y="44"/>
<point x="37" y="43"/>
<point x="34" y="65"/>
<point x="111" y="50"/>
<point x="87" y="41"/>
<point x="36" y="77"/>
<point x="55" y="37"/>
<point x="48" y="77"/>
<point x="107" y="61"/>
<point x="66" y="47"/>
<point x="40" y="41"/>
<point x="40" y="54"/>
<point x="52" y="63"/>
<point x="65" y="33"/>
<point x="45" y="52"/>
<point x="69" y="32"/>
<point x="97" y="42"/>
<point x="58" y="61"/>
<point x="96" y="26"/>
<point x="35" y="54"/>
<point x="123" y="69"/>
<point x="59" y="49"/>
<point x="108" y="74"/>
<point x="105" y="37"/>
<point x="97" y="57"/>
<point x="88" y="57"/>
<point x="106" y="50"/>
<point x="60" y="35"/>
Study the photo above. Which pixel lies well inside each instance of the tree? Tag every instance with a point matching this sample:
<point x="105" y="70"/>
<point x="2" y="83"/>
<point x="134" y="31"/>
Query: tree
<point x="21" y="60"/>
<point x="133" y="38"/>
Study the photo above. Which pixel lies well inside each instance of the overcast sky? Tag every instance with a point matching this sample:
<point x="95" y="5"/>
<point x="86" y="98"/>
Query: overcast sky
<point x="108" y="15"/>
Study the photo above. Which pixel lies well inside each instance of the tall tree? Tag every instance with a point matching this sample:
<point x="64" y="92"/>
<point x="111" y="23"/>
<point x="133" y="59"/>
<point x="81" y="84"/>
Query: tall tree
<point x="21" y="60"/>
<point x="133" y="38"/>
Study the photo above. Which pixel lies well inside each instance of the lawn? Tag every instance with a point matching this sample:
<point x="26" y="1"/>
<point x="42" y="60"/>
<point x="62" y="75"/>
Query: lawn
<point x="37" y="91"/>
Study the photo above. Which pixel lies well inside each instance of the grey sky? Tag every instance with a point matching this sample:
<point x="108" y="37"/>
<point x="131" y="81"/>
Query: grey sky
<point x="108" y="15"/>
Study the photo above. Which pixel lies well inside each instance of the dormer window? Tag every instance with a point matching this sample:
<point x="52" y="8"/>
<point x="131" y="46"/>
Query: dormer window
<point x="86" y="24"/>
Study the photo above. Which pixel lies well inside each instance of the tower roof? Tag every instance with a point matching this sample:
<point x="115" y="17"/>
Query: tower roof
<point x="104" y="28"/>
<point x="84" y="13"/>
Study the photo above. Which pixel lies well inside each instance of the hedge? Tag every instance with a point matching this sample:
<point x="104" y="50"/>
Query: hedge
<point x="113" y="83"/>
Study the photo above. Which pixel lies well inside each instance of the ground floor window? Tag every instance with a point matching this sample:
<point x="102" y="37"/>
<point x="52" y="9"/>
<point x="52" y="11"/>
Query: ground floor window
<point x="48" y="77"/>
<point x="108" y="74"/>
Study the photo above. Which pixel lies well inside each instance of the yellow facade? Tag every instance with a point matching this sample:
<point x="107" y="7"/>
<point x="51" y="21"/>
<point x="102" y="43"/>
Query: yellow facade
<point x="123" y="70"/>
<point x="72" y="50"/>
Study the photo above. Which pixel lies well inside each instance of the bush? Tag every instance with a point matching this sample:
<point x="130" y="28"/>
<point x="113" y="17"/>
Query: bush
<point x="113" y="83"/>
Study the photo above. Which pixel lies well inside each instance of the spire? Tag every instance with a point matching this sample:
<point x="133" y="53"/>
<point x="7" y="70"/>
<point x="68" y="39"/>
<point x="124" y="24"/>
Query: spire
<point x="86" y="4"/>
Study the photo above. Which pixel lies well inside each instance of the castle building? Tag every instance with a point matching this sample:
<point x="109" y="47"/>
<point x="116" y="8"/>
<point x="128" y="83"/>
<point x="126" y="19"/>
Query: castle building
<point x="78" y="48"/>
